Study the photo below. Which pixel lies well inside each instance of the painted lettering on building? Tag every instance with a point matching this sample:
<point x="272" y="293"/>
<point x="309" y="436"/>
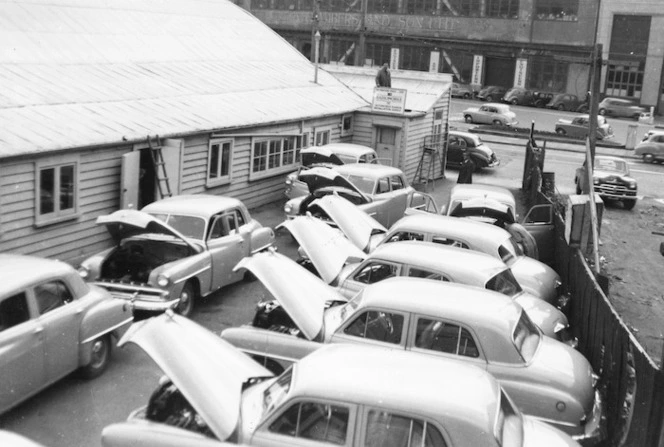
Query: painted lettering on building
<point x="394" y="58"/>
<point x="434" y="59"/>
<point x="520" y="73"/>
<point x="478" y="73"/>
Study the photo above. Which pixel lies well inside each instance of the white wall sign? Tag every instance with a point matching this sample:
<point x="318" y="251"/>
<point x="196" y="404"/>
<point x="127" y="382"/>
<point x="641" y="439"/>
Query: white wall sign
<point x="520" y="73"/>
<point x="434" y="59"/>
<point x="389" y="100"/>
<point x="478" y="70"/>
<point x="394" y="59"/>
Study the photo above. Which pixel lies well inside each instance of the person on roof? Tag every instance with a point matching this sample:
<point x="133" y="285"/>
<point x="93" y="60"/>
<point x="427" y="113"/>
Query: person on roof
<point x="383" y="78"/>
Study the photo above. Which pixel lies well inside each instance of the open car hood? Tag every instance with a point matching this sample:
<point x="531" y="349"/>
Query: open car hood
<point x="483" y="208"/>
<point x="301" y="293"/>
<point x="319" y="155"/>
<point x="207" y="370"/>
<point x="318" y="177"/>
<point x="357" y="225"/>
<point x="326" y="247"/>
<point x="127" y="223"/>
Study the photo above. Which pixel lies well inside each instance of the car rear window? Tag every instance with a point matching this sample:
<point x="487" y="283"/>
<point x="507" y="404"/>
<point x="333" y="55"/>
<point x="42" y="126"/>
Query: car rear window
<point x="526" y="337"/>
<point x="505" y="283"/>
<point x="509" y="423"/>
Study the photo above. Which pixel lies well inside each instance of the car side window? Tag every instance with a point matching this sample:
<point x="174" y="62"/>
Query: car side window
<point x="13" y="311"/>
<point x="397" y="182"/>
<point x="239" y="217"/>
<point x="441" y="336"/>
<point x="416" y="272"/>
<point x="484" y="109"/>
<point x="449" y="241"/>
<point x="52" y="295"/>
<point x="377" y="325"/>
<point x="314" y="420"/>
<point x="383" y="185"/>
<point x="374" y="272"/>
<point x="406" y="236"/>
<point x="385" y="429"/>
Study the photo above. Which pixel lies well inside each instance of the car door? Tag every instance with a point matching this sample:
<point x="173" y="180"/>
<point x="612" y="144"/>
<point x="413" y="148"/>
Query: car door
<point x="60" y="316"/>
<point x="227" y="243"/>
<point x="484" y="115"/>
<point x="378" y="327"/>
<point x="539" y="223"/>
<point x="21" y="351"/>
<point x="370" y="271"/>
<point x="455" y="148"/>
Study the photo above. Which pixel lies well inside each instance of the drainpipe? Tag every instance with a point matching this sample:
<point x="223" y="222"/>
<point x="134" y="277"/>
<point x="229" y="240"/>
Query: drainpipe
<point x="316" y="54"/>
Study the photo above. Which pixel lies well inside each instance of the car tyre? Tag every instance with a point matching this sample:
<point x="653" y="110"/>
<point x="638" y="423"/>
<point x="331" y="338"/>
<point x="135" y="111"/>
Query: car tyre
<point x="489" y="98"/>
<point x="100" y="357"/>
<point x="648" y="158"/>
<point x="602" y="112"/>
<point x="561" y="107"/>
<point x="515" y="102"/>
<point x="497" y="123"/>
<point x="466" y="96"/>
<point x="561" y="131"/>
<point x="468" y="119"/>
<point x="186" y="305"/>
<point x="629" y="203"/>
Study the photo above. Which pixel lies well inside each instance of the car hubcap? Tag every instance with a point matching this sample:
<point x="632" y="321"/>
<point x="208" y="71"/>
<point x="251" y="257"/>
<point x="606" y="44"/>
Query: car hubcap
<point x="98" y="353"/>
<point x="185" y="300"/>
<point x="648" y="158"/>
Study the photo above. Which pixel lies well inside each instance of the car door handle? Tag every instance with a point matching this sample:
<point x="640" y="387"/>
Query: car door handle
<point x="39" y="331"/>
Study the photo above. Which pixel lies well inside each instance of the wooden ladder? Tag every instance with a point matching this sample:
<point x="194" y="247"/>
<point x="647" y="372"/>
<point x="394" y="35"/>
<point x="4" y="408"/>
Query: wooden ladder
<point x="426" y="168"/>
<point x="160" y="167"/>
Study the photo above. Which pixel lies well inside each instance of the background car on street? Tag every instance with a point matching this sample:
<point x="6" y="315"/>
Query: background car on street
<point x="52" y="323"/>
<point x="347" y="395"/>
<point x="491" y="113"/>
<point x="459" y="90"/>
<point x="459" y="142"/>
<point x="565" y="102"/>
<point x="651" y="149"/>
<point x="611" y="180"/>
<point x="518" y="96"/>
<point x="175" y="250"/>
<point x="542" y="98"/>
<point x="491" y="93"/>
<point x="621" y="107"/>
<point x="579" y="127"/>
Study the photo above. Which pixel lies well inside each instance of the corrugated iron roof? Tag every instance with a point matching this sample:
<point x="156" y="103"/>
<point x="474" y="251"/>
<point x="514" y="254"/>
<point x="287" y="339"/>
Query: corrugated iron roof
<point x="424" y="88"/>
<point x="88" y="72"/>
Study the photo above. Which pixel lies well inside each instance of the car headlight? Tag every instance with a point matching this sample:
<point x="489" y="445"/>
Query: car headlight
<point x="288" y="208"/>
<point x="163" y="281"/>
<point x="84" y="272"/>
<point x="595" y="181"/>
<point x="289" y="181"/>
<point x="631" y="185"/>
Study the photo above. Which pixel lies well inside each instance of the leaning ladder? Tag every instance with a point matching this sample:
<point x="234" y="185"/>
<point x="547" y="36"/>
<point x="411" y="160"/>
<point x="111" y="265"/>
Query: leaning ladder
<point x="160" y="167"/>
<point x="426" y="169"/>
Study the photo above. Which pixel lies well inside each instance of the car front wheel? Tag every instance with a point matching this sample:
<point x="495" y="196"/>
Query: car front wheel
<point x="629" y="203"/>
<point x="648" y="158"/>
<point x="497" y="123"/>
<point x="561" y="131"/>
<point x="489" y="98"/>
<point x="561" y="107"/>
<point x="466" y="96"/>
<point x="468" y="118"/>
<point x="186" y="304"/>
<point x="602" y="112"/>
<point x="100" y="357"/>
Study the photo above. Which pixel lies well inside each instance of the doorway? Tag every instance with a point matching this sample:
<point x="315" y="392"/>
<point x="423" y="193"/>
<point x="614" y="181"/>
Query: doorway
<point x="387" y="145"/>
<point x="499" y="71"/>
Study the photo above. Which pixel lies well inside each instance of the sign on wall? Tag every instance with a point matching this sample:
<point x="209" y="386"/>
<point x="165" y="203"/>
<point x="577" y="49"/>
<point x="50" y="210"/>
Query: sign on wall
<point x="389" y="100"/>
<point x="520" y="73"/>
<point x="434" y="59"/>
<point x="394" y="59"/>
<point x="478" y="70"/>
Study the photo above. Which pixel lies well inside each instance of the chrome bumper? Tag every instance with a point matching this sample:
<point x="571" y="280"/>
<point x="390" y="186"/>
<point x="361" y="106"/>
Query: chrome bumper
<point x="143" y="298"/>
<point x="594" y="428"/>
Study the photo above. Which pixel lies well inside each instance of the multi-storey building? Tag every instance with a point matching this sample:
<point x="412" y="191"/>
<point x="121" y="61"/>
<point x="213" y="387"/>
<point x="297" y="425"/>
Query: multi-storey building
<point x="538" y="44"/>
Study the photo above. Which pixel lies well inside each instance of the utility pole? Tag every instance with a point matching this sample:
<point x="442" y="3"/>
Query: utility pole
<point x="315" y="19"/>
<point x="593" y="105"/>
<point x="361" y="45"/>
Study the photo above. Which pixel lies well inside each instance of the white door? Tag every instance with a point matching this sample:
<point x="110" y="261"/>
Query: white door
<point x="387" y="144"/>
<point x="129" y="176"/>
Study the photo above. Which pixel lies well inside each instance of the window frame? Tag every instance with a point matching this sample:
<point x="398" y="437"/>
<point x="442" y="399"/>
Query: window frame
<point x="271" y="142"/>
<point x="412" y="339"/>
<point x="220" y="179"/>
<point x="345" y="132"/>
<point x="57" y="215"/>
<point x="543" y="9"/>
<point x="325" y="134"/>
<point x="403" y="336"/>
<point x="366" y="424"/>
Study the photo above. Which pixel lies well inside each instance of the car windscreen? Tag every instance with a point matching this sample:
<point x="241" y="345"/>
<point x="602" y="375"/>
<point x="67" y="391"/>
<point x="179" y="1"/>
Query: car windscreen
<point x="277" y="392"/>
<point x="190" y="226"/>
<point x="606" y="164"/>
<point x="364" y="184"/>
<point x="505" y="283"/>
<point x="509" y="423"/>
<point x="526" y="337"/>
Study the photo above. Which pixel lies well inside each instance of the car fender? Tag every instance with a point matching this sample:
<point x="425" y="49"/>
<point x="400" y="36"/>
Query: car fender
<point x="261" y="238"/>
<point x="198" y="266"/>
<point x="108" y="316"/>
<point x="142" y="433"/>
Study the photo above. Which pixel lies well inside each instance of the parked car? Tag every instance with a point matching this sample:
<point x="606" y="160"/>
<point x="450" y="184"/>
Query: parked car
<point x="12" y="439"/>
<point x="383" y="192"/>
<point x="459" y="142"/>
<point x="519" y="96"/>
<point x="414" y="259"/>
<point x="459" y="90"/>
<point x="564" y="102"/>
<point x="542" y="98"/>
<point x="327" y="155"/>
<point x="621" y="107"/>
<point x="52" y="323"/>
<point x="547" y="379"/>
<point x="651" y="149"/>
<point x="175" y="250"/>
<point x="491" y="93"/>
<point x="340" y="395"/>
<point x="611" y="180"/>
<point x="579" y="127"/>
<point x="491" y="113"/>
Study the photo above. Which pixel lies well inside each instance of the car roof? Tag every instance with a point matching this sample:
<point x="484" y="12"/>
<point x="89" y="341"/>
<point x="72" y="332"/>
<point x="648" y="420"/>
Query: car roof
<point x="464" y="264"/>
<point x="407" y="382"/>
<point x="610" y="157"/>
<point x="22" y="271"/>
<point x="452" y="227"/>
<point x="201" y="205"/>
<point x="368" y="169"/>
<point x="497" y="105"/>
<point x="478" y="190"/>
<point x="346" y="149"/>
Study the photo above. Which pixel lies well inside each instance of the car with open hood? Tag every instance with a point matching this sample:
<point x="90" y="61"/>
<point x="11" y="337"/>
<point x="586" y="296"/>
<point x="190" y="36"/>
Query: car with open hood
<point x="546" y="378"/>
<point x="323" y="247"/>
<point x="331" y="154"/>
<point x="579" y="127"/>
<point x="350" y="395"/>
<point x="51" y="324"/>
<point x="459" y="143"/>
<point x="491" y="113"/>
<point x="383" y="192"/>
<point x="651" y="148"/>
<point x="175" y="250"/>
<point x="611" y="180"/>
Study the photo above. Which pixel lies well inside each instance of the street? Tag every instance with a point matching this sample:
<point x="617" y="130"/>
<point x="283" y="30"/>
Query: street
<point x="73" y="412"/>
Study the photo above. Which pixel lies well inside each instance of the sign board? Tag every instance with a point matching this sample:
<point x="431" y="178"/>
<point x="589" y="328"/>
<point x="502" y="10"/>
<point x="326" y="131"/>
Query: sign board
<point x="389" y="100"/>
<point x="520" y="73"/>
<point x="394" y="59"/>
<point x="478" y="70"/>
<point x="434" y="59"/>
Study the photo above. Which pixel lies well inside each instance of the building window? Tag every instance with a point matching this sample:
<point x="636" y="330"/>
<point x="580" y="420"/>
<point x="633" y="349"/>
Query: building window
<point x="422" y="7"/>
<point x="58" y="197"/>
<point x="547" y="74"/>
<point x="557" y="10"/>
<point x="415" y="58"/>
<point x="219" y="162"/>
<point x="503" y="9"/>
<point x="463" y="8"/>
<point x="346" y="125"/>
<point x="627" y="55"/>
<point x="341" y="51"/>
<point x="341" y="5"/>
<point x="624" y="80"/>
<point x="276" y="154"/>
<point x="322" y="137"/>
<point x="383" y="6"/>
<point x="378" y="53"/>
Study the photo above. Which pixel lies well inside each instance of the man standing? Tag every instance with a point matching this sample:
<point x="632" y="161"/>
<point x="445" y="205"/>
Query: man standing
<point x="383" y="78"/>
<point x="467" y="168"/>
